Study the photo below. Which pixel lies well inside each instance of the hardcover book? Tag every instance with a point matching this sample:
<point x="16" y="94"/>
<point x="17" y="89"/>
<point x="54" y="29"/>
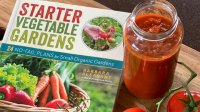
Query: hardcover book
<point x="63" y="56"/>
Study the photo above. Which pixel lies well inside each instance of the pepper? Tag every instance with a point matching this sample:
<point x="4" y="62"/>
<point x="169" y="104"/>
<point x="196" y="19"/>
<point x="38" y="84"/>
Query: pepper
<point x="22" y="97"/>
<point x="7" y="92"/>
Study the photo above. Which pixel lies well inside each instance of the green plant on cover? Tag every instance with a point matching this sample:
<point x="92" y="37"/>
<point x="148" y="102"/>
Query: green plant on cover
<point x="19" y="77"/>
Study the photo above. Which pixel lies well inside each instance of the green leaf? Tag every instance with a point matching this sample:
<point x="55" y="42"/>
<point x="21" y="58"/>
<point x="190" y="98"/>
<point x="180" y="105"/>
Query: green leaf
<point x="185" y="102"/>
<point x="186" y="109"/>
<point x="65" y="70"/>
<point x="35" y="65"/>
<point x="19" y="77"/>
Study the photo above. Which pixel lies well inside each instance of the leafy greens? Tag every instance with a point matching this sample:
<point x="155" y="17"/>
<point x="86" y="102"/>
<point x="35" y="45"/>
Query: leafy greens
<point x="19" y="77"/>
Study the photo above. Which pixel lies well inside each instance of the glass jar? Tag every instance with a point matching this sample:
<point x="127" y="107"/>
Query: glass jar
<point x="152" y="38"/>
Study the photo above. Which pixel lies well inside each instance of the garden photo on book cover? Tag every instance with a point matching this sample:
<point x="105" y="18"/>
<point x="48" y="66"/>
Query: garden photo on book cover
<point x="102" y="33"/>
<point x="44" y="82"/>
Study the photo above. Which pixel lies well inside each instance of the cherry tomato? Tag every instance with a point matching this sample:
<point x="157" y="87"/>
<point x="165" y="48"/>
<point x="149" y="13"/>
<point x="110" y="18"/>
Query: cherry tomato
<point x="111" y="40"/>
<point x="134" y="110"/>
<point x="104" y="35"/>
<point x="111" y="29"/>
<point x="58" y="104"/>
<point x="176" y="105"/>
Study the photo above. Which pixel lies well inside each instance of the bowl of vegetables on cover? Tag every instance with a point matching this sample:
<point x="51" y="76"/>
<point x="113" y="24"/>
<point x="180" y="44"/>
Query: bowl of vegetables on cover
<point x="35" y="84"/>
<point x="102" y="33"/>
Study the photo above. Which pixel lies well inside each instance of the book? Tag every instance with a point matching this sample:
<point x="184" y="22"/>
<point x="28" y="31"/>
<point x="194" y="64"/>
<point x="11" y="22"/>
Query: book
<point x="82" y="45"/>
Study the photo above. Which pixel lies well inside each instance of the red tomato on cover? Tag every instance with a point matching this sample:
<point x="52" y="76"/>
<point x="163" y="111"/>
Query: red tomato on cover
<point x="58" y="104"/>
<point x="134" y="110"/>
<point x="176" y="105"/>
<point x="104" y="35"/>
<point x="111" y="29"/>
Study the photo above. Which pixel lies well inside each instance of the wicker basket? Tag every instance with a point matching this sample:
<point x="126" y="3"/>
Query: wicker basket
<point x="76" y="92"/>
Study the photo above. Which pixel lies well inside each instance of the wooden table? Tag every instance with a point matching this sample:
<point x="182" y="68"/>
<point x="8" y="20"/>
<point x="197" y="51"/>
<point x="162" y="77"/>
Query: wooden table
<point x="125" y="100"/>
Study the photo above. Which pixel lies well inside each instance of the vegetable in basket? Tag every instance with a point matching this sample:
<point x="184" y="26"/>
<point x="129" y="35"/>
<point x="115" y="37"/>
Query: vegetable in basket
<point x="44" y="96"/>
<point x="65" y="71"/>
<point x="44" y="68"/>
<point x="41" y="85"/>
<point x="53" y="86"/>
<point x="136" y="109"/>
<point x="7" y="92"/>
<point x="58" y="104"/>
<point x="39" y="65"/>
<point x="19" y="77"/>
<point x="58" y="88"/>
<point x="22" y="97"/>
<point x="62" y="90"/>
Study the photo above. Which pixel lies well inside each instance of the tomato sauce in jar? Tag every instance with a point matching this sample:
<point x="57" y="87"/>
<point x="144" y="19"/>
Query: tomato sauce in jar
<point x="152" y="43"/>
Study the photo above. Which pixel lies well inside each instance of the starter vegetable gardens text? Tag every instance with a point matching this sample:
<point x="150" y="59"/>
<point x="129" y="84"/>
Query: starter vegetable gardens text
<point x="49" y="26"/>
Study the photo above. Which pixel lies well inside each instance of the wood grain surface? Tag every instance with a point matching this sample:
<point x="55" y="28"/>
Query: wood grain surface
<point x="124" y="99"/>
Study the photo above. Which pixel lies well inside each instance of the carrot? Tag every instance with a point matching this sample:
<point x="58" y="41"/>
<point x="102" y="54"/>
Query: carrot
<point x="41" y="85"/>
<point x="62" y="90"/>
<point x="43" y="97"/>
<point x="55" y="86"/>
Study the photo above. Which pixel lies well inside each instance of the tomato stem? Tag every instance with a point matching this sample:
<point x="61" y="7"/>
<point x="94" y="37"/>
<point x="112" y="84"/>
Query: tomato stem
<point x="193" y="75"/>
<point x="2" y="96"/>
<point x="192" y="102"/>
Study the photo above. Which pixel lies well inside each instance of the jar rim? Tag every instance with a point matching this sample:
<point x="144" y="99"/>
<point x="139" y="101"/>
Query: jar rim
<point x="154" y="36"/>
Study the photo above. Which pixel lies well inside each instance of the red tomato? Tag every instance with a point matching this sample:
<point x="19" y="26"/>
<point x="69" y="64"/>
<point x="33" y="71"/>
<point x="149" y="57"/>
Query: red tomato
<point x="104" y="35"/>
<point x="134" y="110"/>
<point x="176" y="105"/>
<point x="111" y="29"/>
<point x="58" y="104"/>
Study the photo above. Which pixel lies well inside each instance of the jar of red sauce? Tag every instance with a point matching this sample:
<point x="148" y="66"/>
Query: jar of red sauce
<point x="152" y="38"/>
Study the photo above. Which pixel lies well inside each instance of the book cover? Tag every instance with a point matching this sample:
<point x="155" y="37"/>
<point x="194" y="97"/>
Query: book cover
<point x="54" y="52"/>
